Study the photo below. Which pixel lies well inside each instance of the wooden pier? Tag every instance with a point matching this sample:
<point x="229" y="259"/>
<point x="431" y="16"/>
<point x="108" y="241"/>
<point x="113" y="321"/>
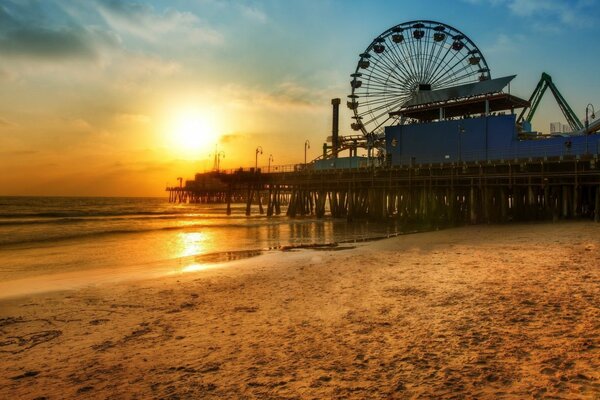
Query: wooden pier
<point x="449" y="193"/>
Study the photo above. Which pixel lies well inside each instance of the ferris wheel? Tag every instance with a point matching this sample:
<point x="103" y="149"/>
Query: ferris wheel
<point x="407" y="58"/>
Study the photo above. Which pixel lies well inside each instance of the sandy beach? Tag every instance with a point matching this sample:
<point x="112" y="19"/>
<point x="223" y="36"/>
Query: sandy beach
<point x="475" y="312"/>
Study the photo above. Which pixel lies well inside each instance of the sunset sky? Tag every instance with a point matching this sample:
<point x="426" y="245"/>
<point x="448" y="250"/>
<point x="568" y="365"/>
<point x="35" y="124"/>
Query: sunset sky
<point x="99" y="97"/>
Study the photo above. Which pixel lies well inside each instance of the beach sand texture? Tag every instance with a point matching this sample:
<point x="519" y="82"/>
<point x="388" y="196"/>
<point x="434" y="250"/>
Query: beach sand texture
<point x="475" y="312"/>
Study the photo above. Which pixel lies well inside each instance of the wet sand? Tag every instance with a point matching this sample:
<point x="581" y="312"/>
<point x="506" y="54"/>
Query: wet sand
<point x="482" y="311"/>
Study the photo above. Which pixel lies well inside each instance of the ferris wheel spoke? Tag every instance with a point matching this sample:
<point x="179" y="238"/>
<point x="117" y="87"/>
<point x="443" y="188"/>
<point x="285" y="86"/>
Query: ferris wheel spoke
<point x="413" y="57"/>
<point x="460" y="78"/>
<point x="457" y="71"/>
<point x="374" y="118"/>
<point x="424" y="51"/>
<point x="433" y="58"/>
<point x="424" y="56"/>
<point x="398" y="64"/>
<point x="377" y="114"/>
<point x="382" y="91"/>
<point x="383" y="77"/>
<point x="440" y="64"/>
<point x="381" y="88"/>
<point x="443" y="81"/>
<point x="404" y="58"/>
<point x="374" y="105"/>
<point x="371" y="103"/>
<point x="381" y="123"/>
<point x="417" y="44"/>
<point x="447" y="69"/>
<point x="451" y="70"/>
<point x="403" y="52"/>
<point x="388" y="64"/>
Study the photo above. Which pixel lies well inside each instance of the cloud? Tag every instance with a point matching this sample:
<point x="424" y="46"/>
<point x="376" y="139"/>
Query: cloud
<point x="24" y="36"/>
<point x="506" y="44"/>
<point x="285" y="95"/>
<point x="253" y="13"/>
<point x="231" y="137"/>
<point x="132" y="118"/>
<point x="18" y="153"/>
<point x="4" y="123"/>
<point x="144" y="22"/>
<point x="548" y="13"/>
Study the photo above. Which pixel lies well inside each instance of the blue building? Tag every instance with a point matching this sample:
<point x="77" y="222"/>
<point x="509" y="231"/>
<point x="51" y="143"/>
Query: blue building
<point x="473" y="123"/>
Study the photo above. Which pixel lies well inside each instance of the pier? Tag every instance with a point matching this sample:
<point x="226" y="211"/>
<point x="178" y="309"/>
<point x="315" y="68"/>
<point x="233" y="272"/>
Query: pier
<point x="471" y="192"/>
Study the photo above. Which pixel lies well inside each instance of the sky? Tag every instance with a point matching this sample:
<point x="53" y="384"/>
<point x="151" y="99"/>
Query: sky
<point x="100" y="97"/>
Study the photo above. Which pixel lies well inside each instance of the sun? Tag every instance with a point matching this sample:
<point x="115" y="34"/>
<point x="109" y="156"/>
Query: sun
<point x="193" y="132"/>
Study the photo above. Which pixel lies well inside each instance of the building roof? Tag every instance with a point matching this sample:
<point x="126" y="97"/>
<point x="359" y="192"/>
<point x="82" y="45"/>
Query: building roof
<point x="497" y="102"/>
<point x="461" y="101"/>
<point x="455" y="92"/>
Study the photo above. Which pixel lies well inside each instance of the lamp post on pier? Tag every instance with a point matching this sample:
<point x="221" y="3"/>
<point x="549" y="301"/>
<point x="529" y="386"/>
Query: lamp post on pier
<point x="218" y="156"/>
<point x="306" y="146"/>
<point x="270" y="159"/>
<point x="587" y="124"/>
<point x="258" y="150"/>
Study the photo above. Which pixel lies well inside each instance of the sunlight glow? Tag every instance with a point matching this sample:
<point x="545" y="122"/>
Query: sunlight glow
<point x="193" y="132"/>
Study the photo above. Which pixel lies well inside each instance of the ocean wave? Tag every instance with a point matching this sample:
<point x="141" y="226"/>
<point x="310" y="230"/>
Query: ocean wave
<point x="87" y="213"/>
<point x="47" y="237"/>
<point x="34" y="220"/>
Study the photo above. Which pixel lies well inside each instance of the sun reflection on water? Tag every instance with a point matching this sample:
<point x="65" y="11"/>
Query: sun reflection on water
<point x="191" y="244"/>
<point x="188" y="246"/>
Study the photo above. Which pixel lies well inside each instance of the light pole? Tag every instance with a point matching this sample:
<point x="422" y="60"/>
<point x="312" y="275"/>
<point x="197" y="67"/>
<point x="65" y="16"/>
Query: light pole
<point x="461" y="130"/>
<point x="587" y="124"/>
<point x="258" y="150"/>
<point x="270" y="159"/>
<point x="306" y="146"/>
<point x="220" y="154"/>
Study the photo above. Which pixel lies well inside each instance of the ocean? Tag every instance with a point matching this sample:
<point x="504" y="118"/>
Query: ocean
<point x="54" y="239"/>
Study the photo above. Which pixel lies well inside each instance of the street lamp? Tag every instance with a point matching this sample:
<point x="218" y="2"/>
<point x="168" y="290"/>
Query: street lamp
<point x="270" y="159"/>
<point x="587" y="124"/>
<point x="306" y="146"/>
<point x="258" y="150"/>
<point x="220" y="154"/>
<point x="461" y="130"/>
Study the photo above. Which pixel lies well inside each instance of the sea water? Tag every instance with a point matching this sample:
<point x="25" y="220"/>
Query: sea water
<point x="54" y="237"/>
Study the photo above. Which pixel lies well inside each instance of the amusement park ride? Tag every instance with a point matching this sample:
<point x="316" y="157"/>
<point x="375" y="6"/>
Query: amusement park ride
<point x="413" y="85"/>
